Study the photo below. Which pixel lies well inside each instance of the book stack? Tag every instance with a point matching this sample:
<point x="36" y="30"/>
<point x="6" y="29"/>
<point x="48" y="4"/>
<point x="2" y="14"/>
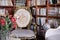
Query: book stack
<point x="6" y="3"/>
<point x="52" y="11"/>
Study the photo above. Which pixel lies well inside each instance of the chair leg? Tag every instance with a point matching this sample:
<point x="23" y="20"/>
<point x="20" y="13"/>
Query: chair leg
<point x="27" y="39"/>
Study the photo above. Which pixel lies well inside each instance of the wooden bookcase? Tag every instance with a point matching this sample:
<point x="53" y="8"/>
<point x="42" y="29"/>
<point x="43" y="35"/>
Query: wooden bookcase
<point x="47" y="16"/>
<point x="47" y="6"/>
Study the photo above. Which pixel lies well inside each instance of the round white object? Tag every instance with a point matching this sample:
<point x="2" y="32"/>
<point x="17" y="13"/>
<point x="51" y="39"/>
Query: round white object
<point x="22" y="17"/>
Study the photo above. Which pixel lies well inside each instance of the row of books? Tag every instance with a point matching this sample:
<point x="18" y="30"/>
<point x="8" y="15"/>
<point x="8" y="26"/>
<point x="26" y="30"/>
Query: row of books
<point x="32" y="2"/>
<point x="54" y="1"/>
<point x="52" y="11"/>
<point x="6" y="3"/>
<point x="39" y="11"/>
<point x="41" y="20"/>
<point x="43" y="2"/>
<point x="53" y="22"/>
<point x="39" y="2"/>
<point x="20" y="2"/>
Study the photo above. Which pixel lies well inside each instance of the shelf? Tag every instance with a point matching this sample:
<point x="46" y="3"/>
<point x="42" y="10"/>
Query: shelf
<point x="6" y="6"/>
<point x="40" y="16"/>
<point x="58" y="5"/>
<point x="53" y="17"/>
<point x="51" y="5"/>
<point x="41" y="6"/>
<point x="48" y="16"/>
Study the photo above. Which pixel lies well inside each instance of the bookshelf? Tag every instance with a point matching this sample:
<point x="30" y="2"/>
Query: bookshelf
<point x="45" y="10"/>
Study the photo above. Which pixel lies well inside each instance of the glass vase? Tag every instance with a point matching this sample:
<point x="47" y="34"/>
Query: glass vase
<point x="4" y="35"/>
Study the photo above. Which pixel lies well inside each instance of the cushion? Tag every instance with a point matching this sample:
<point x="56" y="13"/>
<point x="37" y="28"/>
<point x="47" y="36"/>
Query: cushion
<point x="22" y="33"/>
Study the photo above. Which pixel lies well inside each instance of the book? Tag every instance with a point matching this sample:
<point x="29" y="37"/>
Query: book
<point x="42" y="20"/>
<point x="58" y="1"/>
<point x="59" y="10"/>
<point x="33" y="2"/>
<point x="33" y="20"/>
<point x="33" y="11"/>
<point x="38" y="2"/>
<point x="38" y="20"/>
<point x="43" y="11"/>
<point x="38" y="11"/>
<point x="58" y="21"/>
<point x="50" y="1"/>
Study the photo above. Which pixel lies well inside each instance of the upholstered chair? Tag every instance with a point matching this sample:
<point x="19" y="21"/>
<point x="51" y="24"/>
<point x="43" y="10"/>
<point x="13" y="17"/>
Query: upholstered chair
<point x="23" y="18"/>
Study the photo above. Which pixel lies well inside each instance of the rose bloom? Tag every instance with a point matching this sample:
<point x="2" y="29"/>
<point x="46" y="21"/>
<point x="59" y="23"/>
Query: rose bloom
<point x="2" y="22"/>
<point x="13" y="19"/>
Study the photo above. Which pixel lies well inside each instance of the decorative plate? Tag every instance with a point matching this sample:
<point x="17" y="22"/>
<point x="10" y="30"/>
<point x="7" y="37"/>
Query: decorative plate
<point x="22" y="17"/>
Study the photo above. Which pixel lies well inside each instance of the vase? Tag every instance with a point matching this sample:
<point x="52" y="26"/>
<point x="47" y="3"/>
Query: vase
<point x="4" y="35"/>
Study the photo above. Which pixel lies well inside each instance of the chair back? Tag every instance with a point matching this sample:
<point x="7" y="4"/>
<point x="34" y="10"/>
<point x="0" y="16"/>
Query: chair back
<point x="52" y="34"/>
<point x="23" y="17"/>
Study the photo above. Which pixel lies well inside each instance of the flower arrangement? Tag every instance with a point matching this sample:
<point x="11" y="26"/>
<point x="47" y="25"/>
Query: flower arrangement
<point x="7" y="24"/>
